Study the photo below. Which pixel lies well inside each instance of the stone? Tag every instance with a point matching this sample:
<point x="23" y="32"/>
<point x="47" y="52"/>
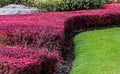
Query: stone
<point x="18" y="9"/>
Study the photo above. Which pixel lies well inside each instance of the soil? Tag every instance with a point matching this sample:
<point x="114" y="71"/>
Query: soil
<point x="67" y="53"/>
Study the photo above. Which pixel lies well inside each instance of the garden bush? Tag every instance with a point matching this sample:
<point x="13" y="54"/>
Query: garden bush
<point x="57" y="5"/>
<point x="6" y="2"/>
<point x="68" y="5"/>
<point x="16" y="60"/>
<point x="33" y="30"/>
<point x="92" y="19"/>
<point x="47" y="30"/>
<point x="39" y="30"/>
<point x="44" y="5"/>
<point x="31" y="36"/>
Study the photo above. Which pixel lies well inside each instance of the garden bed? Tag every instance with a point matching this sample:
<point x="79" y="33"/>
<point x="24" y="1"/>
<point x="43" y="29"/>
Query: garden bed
<point x="54" y="31"/>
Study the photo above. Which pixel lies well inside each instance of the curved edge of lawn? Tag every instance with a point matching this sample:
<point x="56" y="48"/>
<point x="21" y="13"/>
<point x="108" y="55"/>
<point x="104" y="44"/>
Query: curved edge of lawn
<point x="97" y="52"/>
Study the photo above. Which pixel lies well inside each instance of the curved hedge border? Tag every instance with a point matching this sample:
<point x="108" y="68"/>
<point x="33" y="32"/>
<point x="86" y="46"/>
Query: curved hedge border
<point x="45" y="29"/>
<point x="93" y="19"/>
<point x="55" y="24"/>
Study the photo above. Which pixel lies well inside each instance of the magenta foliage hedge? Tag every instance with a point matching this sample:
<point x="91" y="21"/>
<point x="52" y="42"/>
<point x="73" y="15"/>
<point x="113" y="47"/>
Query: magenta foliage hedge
<point x="93" y="19"/>
<point x="33" y="30"/>
<point x="111" y="6"/>
<point x="16" y="60"/>
<point x="32" y="36"/>
<point x="47" y="29"/>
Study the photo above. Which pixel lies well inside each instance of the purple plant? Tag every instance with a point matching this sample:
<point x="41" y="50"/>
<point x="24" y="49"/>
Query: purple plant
<point x="13" y="60"/>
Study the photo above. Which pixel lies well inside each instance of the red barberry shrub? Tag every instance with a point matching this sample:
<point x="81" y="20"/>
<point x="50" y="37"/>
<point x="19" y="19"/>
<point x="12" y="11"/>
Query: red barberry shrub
<point x="45" y="31"/>
<point x="16" y="61"/>
<point x="33" y="30"/>
<point x="92" y="19"/>
<point x="111" y="6"/>
<point x="31" y="36"/>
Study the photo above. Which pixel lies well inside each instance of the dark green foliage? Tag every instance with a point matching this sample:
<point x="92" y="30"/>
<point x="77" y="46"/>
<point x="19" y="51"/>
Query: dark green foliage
<point x="79" y="4"/>
<point x="57" y="5"/>
<point x="6" y="2"/>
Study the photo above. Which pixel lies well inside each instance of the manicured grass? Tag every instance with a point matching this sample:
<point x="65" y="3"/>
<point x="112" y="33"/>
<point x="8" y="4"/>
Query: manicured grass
<point x="97" y="52"/>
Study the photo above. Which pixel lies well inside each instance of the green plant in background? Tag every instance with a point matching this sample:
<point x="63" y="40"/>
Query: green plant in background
<point x="68" y="5"/>
<point x="59" y="5"/>
<point x="4" y="2"/>
<point x="49" y="5"/>
<point x="7" y="2"/>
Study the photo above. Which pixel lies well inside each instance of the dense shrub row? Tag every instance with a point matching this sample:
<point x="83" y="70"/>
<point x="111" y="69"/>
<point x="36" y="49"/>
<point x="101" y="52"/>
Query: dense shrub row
<point x="31" y="36"/>
<point x="92" y="19"/>
<point x="46" y="30"/>
<point x="32" y="31"/>
<point x="39" y="30"/>
<point x="16" y="60"/>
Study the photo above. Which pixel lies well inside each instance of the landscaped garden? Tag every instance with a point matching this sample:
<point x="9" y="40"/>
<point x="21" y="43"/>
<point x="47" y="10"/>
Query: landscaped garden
<point x="49" y="43"/>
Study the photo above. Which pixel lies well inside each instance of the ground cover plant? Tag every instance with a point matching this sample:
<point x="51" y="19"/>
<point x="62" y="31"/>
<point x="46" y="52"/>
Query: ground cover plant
<point x="97" y="52"/>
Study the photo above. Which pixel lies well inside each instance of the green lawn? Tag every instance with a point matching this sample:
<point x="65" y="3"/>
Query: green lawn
<point x="97" y="52"/>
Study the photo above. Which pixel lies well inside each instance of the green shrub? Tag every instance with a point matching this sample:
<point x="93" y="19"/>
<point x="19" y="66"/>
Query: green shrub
<point x="67" y="5"/>
<point x="49" y="5"/>
<point x="58" y="5"/>
<point x="79" y="4"/>
<point x="6" y="2"/>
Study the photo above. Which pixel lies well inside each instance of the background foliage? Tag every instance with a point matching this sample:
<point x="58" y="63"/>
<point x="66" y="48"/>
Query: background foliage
<point x="59" y="5"/>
